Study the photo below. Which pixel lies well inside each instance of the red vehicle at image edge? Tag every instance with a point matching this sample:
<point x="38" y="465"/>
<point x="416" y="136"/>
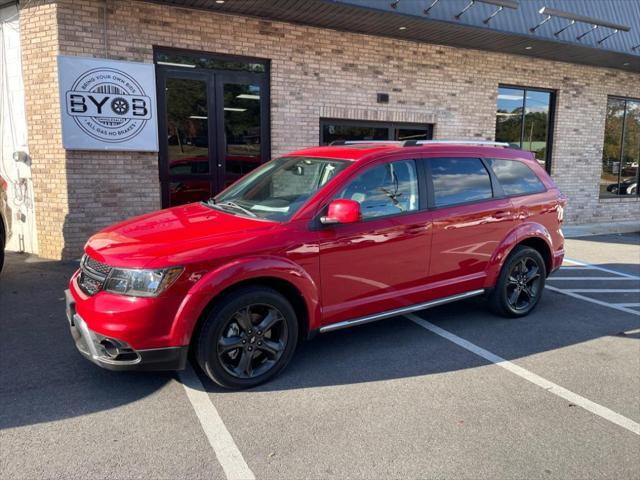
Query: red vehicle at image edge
<point x="318" y="240"/>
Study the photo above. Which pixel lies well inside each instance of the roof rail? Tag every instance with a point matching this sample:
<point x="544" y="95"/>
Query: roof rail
<point x="365" y="142"/>
<point x="413" y="143"/>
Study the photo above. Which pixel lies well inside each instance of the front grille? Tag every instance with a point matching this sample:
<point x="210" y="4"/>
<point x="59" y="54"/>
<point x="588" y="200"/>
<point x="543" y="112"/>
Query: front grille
<point x="96" y="266"/>
<point x="92" y="276"/>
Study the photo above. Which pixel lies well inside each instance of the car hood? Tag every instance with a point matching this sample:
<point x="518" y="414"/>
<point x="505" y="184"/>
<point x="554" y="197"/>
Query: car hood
<point x="174" y="236"/>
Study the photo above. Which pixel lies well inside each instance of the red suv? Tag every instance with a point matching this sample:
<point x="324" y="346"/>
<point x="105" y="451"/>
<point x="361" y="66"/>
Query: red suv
<point x="321" y="239"/>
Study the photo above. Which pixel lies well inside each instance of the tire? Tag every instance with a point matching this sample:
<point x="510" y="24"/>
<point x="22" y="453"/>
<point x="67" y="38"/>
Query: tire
<point x="231" y="348"/>
<point x="2" y="244"/>
<point x="523" y="262"/>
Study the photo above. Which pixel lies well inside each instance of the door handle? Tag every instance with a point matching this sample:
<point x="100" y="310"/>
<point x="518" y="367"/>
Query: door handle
<point x="502" y="214"/>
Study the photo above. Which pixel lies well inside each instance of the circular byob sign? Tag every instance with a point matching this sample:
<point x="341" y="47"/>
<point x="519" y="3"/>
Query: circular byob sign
<point x="108" y="104"/>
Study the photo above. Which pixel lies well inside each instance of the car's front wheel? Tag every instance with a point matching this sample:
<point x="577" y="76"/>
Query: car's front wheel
<point x="248" y="338"/>
<point x="520" y="284"/>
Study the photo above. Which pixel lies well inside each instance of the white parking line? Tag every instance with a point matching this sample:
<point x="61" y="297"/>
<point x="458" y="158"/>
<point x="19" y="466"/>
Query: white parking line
<point x="596" y="267"/>
<point x="591" y="278"/>
<point x="603" y="290"/>
<point x="549" y="386"/>
<point x="576" y="292"/>
<point x="627" y="304"/>
<point x="592" y="300"/>
<point x="226" y="450"/>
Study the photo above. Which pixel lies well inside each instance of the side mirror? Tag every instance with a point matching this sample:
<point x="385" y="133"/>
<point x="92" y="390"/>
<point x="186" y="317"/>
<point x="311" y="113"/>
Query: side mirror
<point x="342" y="211"/>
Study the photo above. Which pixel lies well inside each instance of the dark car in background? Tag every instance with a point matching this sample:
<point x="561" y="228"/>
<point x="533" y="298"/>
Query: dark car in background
<point x="5" y="219"/>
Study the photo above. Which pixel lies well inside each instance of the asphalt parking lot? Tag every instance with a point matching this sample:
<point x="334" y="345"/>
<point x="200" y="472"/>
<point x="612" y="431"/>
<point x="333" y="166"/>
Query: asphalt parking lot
<point x="453" y="392"/>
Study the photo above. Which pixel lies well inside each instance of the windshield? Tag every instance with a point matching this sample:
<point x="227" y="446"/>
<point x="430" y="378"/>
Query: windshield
<point x="279" y="189"/>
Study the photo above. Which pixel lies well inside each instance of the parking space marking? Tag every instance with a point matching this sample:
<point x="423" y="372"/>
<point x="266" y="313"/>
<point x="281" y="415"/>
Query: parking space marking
<point x="603" y="290"/>
<point x="592" y="278"/>
<point x="597" y="267"/>
<point x="592" y="300"/>
<point x="576" y="292"/>
<point x="226" y="450"/>
<point x="549" y="386"/>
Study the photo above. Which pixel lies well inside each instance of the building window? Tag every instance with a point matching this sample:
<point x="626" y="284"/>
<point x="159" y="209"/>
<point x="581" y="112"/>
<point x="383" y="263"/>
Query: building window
<point x="621" y="151"/>
<point x="525" y="117"/>
<point x="332" y="130"/>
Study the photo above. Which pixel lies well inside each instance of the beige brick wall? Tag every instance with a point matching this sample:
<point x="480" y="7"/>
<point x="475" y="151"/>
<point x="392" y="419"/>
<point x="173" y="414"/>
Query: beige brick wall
<point x="314" y="73"/>
<point x="39" y="42"/>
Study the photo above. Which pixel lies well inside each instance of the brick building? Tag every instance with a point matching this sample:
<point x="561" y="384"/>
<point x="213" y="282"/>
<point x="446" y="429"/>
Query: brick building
<point x="242" y="81"/>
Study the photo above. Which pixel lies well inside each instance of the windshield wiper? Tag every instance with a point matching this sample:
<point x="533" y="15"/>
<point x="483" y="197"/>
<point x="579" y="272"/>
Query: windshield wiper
<point x="231" y="204"/>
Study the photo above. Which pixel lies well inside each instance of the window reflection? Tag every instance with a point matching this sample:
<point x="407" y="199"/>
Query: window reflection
<point x="621" y="149"/>
<point x="354" y="130"/>
<point x="522" y="118"/>
<point x="385" y="190"/>
<point x="241" y="130"/>
<point x="187" y="126"/>
<point x="509" y="115"/>
<point x="459" y="180"/>
<point x="193" y="60"/>
<point x="188" y="191"/>
<point x="333" y="132"/>
<point x="536" y="122"/>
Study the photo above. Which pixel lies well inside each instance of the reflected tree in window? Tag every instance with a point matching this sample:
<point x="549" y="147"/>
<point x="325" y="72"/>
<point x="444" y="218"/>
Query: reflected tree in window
<point x="523" y="118"/>
<point x="621" y="148"/>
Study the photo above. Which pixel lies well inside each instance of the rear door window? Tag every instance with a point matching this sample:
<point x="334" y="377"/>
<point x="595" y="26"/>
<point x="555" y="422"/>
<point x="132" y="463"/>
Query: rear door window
<point x="515" y="177"/>
<point x="459" y="180"/>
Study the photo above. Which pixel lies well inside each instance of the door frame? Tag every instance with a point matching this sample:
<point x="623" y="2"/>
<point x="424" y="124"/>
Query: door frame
<point x="214" y="79"/>
<point x="163" y="151"/>
<point x="265" y="128"/>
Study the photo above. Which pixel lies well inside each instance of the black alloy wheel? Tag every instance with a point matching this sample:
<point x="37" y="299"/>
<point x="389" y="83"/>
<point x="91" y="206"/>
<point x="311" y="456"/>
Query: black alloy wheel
<point x="253" y="341"/>
<point x="247" y="338"/>
<point x="523" y="284"/>
<point x="520" y="284"/>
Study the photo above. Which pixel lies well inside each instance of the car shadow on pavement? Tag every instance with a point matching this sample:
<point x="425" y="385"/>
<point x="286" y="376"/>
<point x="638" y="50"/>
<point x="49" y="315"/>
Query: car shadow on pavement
<point x="632" y="238"/>
<point x="398" y="348"/>
<point x="42" y="376"/>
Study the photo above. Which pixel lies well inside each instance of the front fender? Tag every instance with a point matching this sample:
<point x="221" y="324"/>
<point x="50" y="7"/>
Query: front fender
<point x="515" y="236"/>
<point x="232" y="273"/>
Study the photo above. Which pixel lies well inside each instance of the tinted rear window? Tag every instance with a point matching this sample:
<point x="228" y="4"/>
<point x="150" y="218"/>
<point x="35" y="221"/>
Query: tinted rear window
<point x="515" y="177"/>
<point x="459" y="180"/>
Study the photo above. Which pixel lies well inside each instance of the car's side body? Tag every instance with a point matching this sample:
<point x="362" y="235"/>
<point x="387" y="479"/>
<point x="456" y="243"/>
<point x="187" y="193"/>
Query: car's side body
<point x="332" y="273"/>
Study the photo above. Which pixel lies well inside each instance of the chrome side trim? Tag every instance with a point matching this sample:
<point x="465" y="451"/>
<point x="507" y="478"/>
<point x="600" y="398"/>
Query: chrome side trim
<point x="398" y="311"/>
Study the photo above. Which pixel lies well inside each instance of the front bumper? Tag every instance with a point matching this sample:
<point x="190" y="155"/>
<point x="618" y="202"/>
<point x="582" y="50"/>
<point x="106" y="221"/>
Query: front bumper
<point x="115" y="354"/>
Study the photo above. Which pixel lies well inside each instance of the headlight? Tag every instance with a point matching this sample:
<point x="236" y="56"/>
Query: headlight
<point x="141" y="283"/>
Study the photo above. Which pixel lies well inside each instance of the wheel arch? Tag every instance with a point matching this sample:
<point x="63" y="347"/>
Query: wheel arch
<point x="533" y="235"/>
<point x="283" y="287"/>
<point x="542" y="247"/>
<point x="281" y="275"/>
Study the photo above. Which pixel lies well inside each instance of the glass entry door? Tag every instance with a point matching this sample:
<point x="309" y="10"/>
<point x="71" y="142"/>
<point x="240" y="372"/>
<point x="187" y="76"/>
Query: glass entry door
<point x="241" y="126"/>
<point x="213" y="130"/>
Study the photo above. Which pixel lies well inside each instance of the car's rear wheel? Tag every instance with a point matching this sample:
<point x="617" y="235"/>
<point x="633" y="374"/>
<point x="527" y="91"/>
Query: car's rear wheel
<point x="248" y="338"/>
<point x="520" y="284"/>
